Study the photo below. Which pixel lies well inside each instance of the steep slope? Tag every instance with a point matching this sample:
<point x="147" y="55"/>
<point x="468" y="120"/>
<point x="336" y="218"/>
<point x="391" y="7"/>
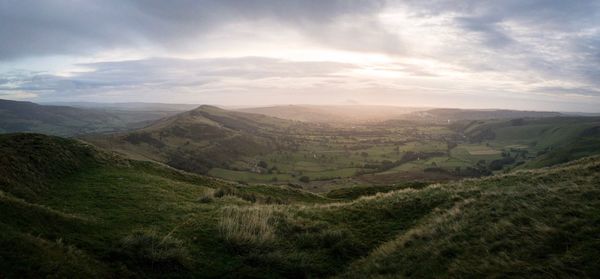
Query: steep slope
<point x="203" y="138"/>
<point x="18" y="116"/>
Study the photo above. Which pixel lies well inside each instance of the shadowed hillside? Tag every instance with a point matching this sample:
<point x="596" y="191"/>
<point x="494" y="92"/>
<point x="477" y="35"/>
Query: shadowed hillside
<point x="539" y="142"/>
<point x="94" y="214"/>
<point x="18" y="116"/>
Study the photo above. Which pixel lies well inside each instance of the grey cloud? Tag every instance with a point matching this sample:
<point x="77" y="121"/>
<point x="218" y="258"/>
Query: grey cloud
<point x="557" y="90"/>
<point x="555" y="39"/>
<point x="30" y="28"/>
<point x="167" y="74"/>
<point x="491" y="33"/>
<point x="556" y="14"/>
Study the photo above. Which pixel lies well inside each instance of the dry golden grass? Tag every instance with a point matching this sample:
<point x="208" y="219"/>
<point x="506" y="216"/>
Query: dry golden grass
<point x="207" y="196"/>
<point x="252" y="225"/>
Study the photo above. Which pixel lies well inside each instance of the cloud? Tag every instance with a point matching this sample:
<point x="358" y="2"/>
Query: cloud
<point x="34" y="28"/>
<point x="490" y="31"/>
<point x="168" y="75"/>
<point x="16" y="95"/>
<point x="514" y="48"/>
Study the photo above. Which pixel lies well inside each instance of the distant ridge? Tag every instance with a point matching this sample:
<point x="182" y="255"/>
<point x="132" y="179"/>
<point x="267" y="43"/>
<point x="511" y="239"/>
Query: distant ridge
<point x="18" y="116"/>
<point x="479" y="114"/>
<point x="360" y="113"/>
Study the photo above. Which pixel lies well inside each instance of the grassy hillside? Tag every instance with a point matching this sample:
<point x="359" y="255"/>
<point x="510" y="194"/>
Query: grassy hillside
<point x="201" y="139"/>
<point x="256" y="148"/>
<point x="71" y="210"/>
<point x="539" y="142"/>
<point x="93" y="214"/>
<point x="18" y="116"/>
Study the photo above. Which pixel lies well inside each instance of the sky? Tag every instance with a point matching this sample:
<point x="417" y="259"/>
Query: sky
<point x="515" y="54"/>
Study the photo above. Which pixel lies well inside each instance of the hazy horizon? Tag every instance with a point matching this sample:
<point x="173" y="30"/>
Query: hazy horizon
<point x="234" y="107"/>
<point x="522" y="55"/>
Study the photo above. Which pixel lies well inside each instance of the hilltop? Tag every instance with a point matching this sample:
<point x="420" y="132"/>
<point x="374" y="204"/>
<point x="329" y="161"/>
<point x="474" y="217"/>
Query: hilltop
<point x="95" y="214"/>
<point x="203" y="138"/>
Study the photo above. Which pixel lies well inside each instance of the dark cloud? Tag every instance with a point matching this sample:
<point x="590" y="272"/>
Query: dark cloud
<point x="491" y="34"/>
<point x="31" y="28"/>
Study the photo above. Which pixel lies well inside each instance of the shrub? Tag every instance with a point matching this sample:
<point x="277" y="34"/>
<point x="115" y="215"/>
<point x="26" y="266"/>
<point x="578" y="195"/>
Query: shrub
<point x="292" y="185"/>
<point x="221" y="192"/>
<point x="304" y="179"/>
<point x="207" y="196"/>
<point x="205" y="199"/>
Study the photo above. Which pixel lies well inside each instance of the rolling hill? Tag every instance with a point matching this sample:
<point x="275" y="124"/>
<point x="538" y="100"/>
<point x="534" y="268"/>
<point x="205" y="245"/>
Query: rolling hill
<point x="95" y="214"/>
<point x="16" y="116"/>
<point x="450" y="114"/>
<point x="203" y="138"/>
<point x="543" y="141"/>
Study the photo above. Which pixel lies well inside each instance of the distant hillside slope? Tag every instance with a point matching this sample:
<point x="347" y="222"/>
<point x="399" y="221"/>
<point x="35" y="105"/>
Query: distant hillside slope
<point x="546" y="141"/>
<point x="131" y="106"/>
<point x="203" y="138"/>
<point x="339" y="114"/>
<point x="16" y="116"/>
<point x="443" y="114"/>
<point x="94" y="215"/>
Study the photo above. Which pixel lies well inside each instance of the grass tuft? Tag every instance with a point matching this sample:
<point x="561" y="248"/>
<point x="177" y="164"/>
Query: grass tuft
<point x="247" y="226"/>
<point x="149" y="247"/>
